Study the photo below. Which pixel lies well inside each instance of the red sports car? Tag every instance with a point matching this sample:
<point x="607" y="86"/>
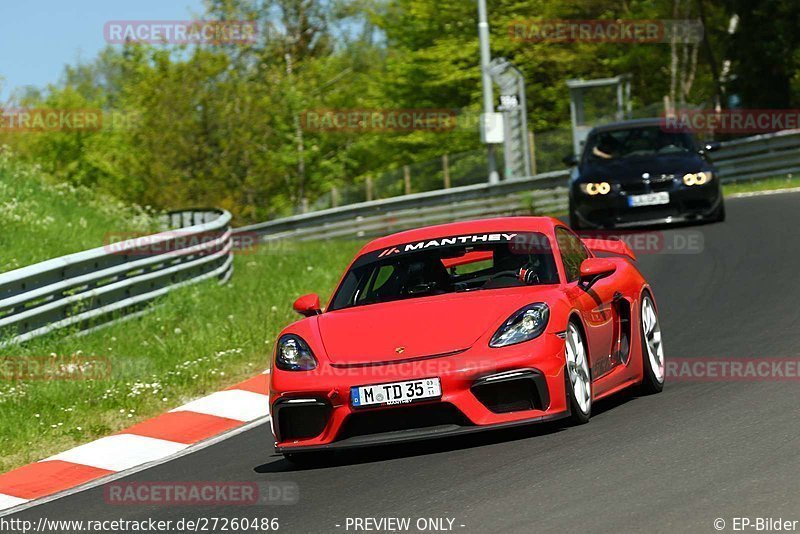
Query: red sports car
<point x="464" y="327"/>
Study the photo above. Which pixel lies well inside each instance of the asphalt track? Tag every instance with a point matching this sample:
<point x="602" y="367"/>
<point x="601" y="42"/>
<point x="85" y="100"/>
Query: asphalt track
<point x="673" y="462"/>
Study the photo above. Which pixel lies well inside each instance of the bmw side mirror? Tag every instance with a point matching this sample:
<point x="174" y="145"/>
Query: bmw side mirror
<point x="594" y="269"/>
<point x="570" y="160"/>
<point x="308" y="305"/>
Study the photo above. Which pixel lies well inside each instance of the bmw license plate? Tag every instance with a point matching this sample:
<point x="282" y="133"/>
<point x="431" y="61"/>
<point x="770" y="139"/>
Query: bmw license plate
<point x="396" y="393"/>
<point x="651" y="199"/>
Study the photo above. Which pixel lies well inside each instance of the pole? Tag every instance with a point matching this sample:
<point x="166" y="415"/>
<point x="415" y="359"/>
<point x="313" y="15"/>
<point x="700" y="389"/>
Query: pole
<point x="488" y="93"/>
<point x="523" y="103"/>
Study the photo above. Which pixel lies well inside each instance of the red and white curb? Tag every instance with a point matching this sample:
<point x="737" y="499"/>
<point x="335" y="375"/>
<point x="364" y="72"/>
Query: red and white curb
<point x="149" y="442"/>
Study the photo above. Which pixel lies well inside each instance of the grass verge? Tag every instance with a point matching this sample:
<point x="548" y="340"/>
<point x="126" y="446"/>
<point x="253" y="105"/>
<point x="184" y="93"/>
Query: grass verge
<point x="43" y="220"/>
<point x="769" y="184"/>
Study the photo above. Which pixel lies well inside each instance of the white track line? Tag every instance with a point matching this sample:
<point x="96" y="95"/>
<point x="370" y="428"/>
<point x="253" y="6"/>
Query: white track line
<point x="120" y="452"/>
<point x="234" y="404"/>
<point x="7" y="501"/>
<point x="765" y="193"/>
<point x="117" y="476"/>
<point x="125" y="454"/>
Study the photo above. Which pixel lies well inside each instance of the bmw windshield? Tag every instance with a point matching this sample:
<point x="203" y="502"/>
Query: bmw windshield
<point x="447" y="265"/>
<point x="639" y="141"/>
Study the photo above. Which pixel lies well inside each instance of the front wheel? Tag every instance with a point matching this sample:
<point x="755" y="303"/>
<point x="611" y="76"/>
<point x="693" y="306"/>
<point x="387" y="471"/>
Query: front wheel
<point x="579" y="380"/>
<point x="719" y="216"/>
<point x="652" y="348"/>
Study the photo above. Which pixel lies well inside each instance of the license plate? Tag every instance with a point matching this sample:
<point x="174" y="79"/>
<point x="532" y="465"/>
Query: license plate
<point x="396" y="393"/>
<point x="651" y="199"/>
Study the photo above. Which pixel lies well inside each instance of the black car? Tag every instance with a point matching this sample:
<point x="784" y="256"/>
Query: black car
<point x="639" y="172"/>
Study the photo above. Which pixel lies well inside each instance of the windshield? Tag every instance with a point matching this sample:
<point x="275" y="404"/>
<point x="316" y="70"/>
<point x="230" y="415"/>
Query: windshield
<point x="642" y="141"/>
<point x="448" y="265"/>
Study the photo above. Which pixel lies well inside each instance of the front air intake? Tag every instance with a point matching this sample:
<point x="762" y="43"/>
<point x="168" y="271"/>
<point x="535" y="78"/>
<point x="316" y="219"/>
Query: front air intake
<point x="513" y="391"/>
<point x="300" y="418"/>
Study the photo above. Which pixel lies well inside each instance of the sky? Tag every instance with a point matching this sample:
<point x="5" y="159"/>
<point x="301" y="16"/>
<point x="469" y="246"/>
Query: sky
<point x="39" y="37"/>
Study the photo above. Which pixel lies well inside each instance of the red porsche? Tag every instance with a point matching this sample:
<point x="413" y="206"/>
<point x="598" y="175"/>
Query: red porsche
<point x="464" y="327"/>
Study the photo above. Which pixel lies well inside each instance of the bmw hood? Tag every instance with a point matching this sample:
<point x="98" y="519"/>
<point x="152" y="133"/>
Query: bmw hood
<point x="414" y="328"/>
<point x="631" y="169"/>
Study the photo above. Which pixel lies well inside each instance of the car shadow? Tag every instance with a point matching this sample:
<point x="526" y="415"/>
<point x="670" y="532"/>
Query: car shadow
<point x="381" y="453"/>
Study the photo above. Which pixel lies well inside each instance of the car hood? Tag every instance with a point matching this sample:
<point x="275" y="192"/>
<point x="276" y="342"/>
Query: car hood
<point x="629" y="170"/>
<point x="421" y="327"/>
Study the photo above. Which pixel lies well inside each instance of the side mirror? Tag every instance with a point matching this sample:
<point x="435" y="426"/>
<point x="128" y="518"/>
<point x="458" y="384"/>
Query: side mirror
<point x="308" y="305"/>
<point x="594" y="269"/>
<point x="570" y="160"/>
<point x="711" y="146"/>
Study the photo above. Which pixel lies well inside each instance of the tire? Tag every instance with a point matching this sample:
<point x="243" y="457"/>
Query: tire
<point x="578" y="376"/>
<point x="719" y="216"/>
<point x="653" y="366"/>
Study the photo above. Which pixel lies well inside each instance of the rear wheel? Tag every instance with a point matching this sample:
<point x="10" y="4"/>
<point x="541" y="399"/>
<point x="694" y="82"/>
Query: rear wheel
<point x="579" y="381"/>
<point x="652" y="348"/>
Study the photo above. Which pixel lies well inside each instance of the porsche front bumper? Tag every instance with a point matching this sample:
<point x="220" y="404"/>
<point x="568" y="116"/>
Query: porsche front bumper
<point x="482" y="388"/>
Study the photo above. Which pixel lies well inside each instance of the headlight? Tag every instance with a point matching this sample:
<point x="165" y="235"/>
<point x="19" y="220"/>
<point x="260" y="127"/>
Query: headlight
<point x="294" y="354"/>
<point x="700" y="178"/>
<point x="599" y="188"/>
<point x="526" y="324"/>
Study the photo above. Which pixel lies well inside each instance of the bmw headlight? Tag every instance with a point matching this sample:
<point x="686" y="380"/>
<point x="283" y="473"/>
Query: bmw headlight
<point x="699" y="178"/>
<point x="596" y="188"/>
<point x="526" y="324"/>
<point x="294" y="354"/>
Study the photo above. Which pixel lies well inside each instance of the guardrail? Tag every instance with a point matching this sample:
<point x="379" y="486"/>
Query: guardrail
<point x="752" y="158"/>
<point x="760" y="156"/>
<point x="100" y="286"/>
<point x="383" y="216"/>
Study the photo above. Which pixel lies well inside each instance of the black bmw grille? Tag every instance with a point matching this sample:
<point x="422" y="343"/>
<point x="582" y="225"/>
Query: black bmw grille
<point x="656" y="185"/>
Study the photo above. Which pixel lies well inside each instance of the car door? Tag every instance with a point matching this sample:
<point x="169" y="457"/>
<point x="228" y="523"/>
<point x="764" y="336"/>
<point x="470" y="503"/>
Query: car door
<point x="596" y="305"/>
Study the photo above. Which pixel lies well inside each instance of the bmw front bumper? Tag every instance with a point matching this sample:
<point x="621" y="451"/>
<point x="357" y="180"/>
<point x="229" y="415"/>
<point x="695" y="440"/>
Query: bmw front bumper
<point x="695" y="203"/>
